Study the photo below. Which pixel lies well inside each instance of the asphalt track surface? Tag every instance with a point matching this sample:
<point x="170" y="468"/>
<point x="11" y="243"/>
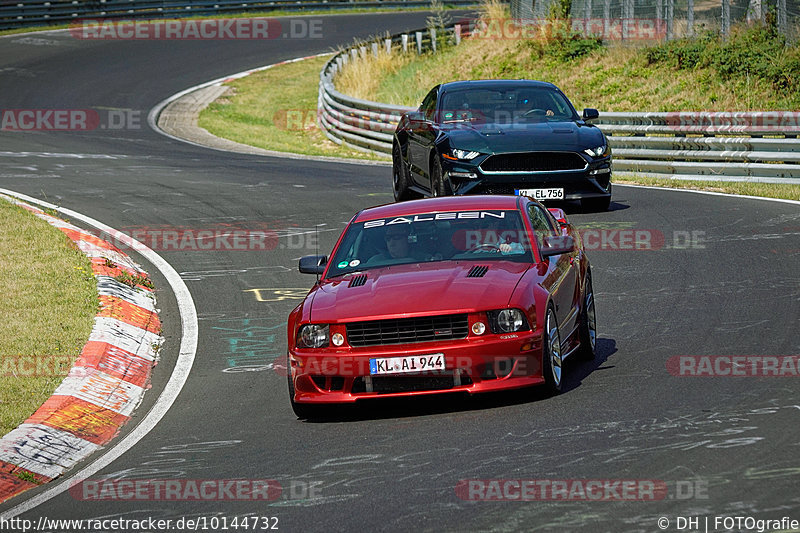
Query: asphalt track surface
<point x="394" y="466"/>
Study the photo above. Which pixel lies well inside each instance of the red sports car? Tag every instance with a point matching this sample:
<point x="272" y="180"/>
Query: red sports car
<point x="469" y="293"/>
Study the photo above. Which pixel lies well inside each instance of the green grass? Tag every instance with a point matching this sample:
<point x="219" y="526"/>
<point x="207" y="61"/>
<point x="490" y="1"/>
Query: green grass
<point x="48" y="307"/>
<point x="275" y="109"/>
<point x="767" y="190"/>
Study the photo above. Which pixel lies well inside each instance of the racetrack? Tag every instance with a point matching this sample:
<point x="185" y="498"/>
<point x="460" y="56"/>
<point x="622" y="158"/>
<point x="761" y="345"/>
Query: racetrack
<point x="722" y="281"/>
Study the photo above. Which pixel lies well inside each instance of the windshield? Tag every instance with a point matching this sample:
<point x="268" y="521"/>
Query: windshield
<point x="501" y="106"/>
<point x="495" y="235"/>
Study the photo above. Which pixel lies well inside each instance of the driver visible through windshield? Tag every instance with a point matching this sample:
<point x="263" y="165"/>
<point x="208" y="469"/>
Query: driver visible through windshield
<point x="523" y="104"/>
<point x="450" y="236"/>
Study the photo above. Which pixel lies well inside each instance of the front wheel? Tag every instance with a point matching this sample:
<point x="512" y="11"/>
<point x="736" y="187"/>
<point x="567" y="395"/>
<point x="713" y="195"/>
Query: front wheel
<point x="588" y="324"/>
<point x="439" y="185"/>
<point x="400" y="176"/>
<point x="551" y="353"/>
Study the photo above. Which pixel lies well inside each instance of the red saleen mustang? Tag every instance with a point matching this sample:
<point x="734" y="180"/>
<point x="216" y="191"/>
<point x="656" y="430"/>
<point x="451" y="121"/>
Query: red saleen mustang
<point x="470" y="293"/>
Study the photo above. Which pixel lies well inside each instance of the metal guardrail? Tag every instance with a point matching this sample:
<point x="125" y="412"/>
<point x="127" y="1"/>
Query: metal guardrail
<point x="37" y="12"/>
<point x="733" y="146"/>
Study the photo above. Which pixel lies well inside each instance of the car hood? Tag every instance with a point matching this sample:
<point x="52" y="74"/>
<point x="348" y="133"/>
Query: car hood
<point x="523" y="136"/>
<point x="426" y="288"/>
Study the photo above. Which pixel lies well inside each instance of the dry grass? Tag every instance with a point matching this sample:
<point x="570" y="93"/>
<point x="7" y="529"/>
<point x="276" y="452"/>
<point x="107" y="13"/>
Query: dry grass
<point x="48" y="306"/>
<point x="276" y="110"/>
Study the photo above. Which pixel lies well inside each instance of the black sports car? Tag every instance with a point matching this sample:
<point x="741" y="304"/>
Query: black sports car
<point x="501" y="137"/>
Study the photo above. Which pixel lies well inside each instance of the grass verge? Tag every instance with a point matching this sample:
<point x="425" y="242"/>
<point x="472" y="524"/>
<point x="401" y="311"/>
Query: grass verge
<point x="767" y="190"/>
<point x="48" y="307"/>
<point x="275" y="109"/>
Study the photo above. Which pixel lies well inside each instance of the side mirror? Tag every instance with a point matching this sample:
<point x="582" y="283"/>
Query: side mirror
<point x="590" y="114"/>
<point x="313" y="264"/>
<point x="553" y="245"/>
<point x="415" y="116"/>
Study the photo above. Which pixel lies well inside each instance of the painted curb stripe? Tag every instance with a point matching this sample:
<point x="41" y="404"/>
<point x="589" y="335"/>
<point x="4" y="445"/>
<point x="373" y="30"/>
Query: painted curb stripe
<point x="116" y="362"/>
<point x="104" y="386"/>
<point x="124" y="311"/>
<point x="130" y="338"/>
<point x="101" y="389"/>
<point x="79" y="417"/>
<point x="44" y="450"/>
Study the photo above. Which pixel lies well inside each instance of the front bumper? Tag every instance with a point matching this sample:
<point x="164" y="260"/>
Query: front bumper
<point x="472" y="365"/>
<point x="467" y="177"/>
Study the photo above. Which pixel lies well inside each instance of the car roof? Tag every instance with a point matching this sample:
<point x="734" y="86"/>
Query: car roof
<point x="496" y="84"/>
<point x="442" y="204"/>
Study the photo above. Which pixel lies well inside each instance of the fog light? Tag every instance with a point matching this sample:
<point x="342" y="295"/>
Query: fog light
<point x="468" y="175"/>
<point x="337" y="339"/>
<point x="478" y="328"/>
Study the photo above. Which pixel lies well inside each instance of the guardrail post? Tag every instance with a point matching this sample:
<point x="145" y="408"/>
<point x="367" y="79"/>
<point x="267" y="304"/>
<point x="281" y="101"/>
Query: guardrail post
<point x="670" y="17"/>
<point x="419" y="42"/>
<point x="387" y="43"/>
<point x="690" y="18"/>
<point x="606" y="18"/>
<point x="783" y="28"/>
<point x="726" y="17"/>
<point x="433" y="39"/>
<point x="354" y="54"/>
<point x="375" y="49"/>
<point x="457" y="32"/>
<point x="363" y="51"/>
<point x="404" y="40"/>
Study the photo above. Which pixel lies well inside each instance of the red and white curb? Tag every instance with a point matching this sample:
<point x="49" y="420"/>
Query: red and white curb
<point x="106" y="383"/>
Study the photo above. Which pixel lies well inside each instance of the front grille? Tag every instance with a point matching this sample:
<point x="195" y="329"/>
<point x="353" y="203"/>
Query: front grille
<point x="391" y="384"/>
<point x="407" y="330"/>
<point x="533" y="162"/>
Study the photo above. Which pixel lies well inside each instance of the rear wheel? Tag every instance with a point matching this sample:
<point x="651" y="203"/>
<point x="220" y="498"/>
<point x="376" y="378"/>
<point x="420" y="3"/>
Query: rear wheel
<point x="588" y="324"/>
<point x="551" y="353"/>
<point x="439" y="185"/>
<point x="400" y="176"/>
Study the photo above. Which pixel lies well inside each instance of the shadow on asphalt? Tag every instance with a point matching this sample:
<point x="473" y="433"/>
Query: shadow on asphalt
<point x="378" y="409"/>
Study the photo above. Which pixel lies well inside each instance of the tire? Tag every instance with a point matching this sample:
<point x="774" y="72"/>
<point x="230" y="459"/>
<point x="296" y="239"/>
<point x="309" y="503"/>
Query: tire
<point x="439" y="186"/>
<point x="400" y="176"/>
<point x="301" y="410"/>
<point x="596" y="204"/>
<point x="552" y="363"/>
<point x="588" y="324"/>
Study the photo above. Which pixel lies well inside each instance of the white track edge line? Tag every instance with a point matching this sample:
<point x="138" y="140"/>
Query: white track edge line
<point x="183" y="365"/>
<point x="711" y="193"/>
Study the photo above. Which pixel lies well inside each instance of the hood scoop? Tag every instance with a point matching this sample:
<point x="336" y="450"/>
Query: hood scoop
<point x="478" y="271"/>
<point x="357" y="281"/>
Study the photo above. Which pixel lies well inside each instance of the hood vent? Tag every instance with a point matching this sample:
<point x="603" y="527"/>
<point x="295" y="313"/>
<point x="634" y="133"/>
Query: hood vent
<point x="358" y="281"/>
<point x="478" y="271"/>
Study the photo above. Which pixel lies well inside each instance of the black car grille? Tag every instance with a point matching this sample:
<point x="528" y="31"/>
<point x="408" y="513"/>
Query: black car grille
<point x="407" y="330"/>
<point x="534" y="162"/>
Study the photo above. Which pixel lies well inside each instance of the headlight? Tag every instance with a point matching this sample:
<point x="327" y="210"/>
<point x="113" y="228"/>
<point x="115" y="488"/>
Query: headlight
<point x="597" y="151"/>
<point x="313" y="336"/>
<point x="464" y="154"/>
<point x="507" y="320"/>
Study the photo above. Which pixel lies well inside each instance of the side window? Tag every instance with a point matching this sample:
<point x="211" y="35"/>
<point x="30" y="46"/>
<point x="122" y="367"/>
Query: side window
<point x="428" y="106"/>
<point x="541" y="223"/>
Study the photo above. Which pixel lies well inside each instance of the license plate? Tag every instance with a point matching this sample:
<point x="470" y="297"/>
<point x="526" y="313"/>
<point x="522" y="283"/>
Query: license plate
<point x="542" y="194"/>
<point x="407" y="365"/>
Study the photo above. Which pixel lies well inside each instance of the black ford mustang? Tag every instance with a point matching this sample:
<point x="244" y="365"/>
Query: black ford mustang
<point x="501" y="137"/>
